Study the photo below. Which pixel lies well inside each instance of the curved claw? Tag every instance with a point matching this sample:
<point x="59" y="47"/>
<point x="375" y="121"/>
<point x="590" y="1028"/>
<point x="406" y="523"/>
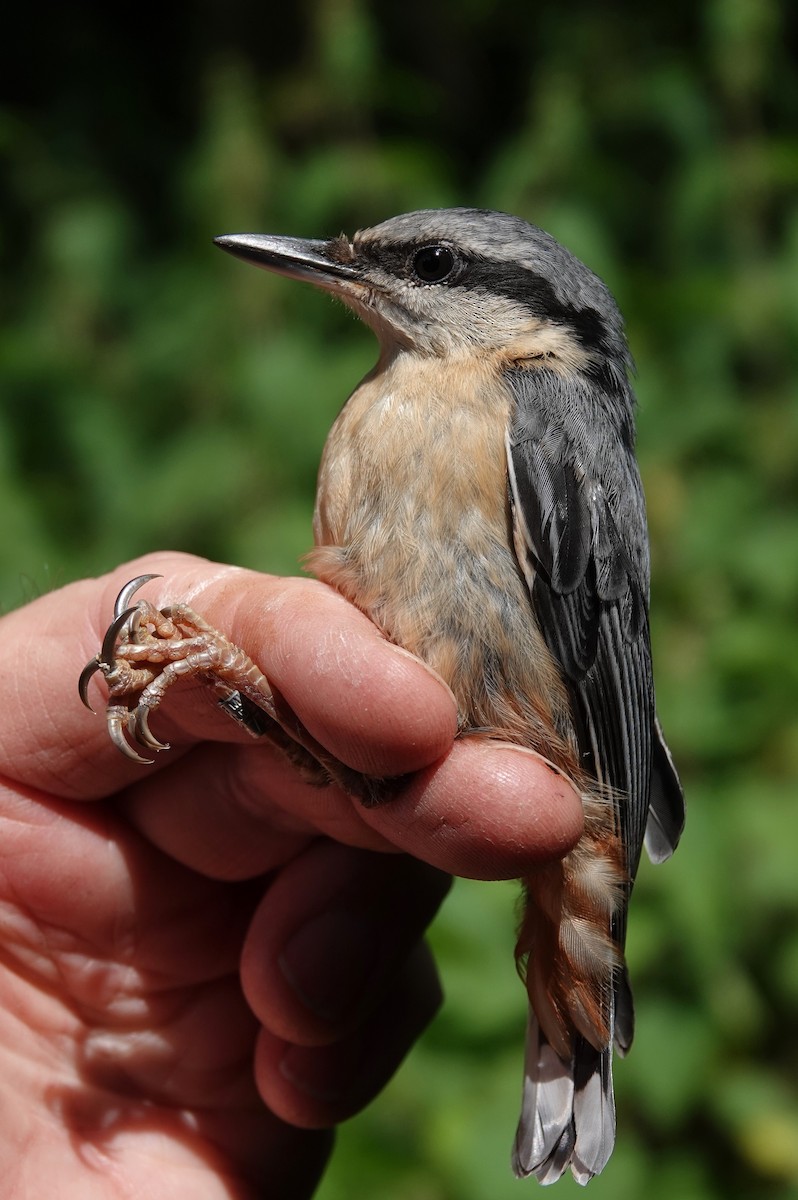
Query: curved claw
<point x="116" y="733"/>
<point x="141" y="730"/>
<point x="106" y="656"/>
<point x="92" y="666"/>
<point x="129" y="591"/>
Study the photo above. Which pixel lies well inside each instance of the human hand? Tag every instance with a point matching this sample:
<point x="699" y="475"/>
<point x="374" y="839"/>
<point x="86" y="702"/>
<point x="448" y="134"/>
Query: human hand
<point x="205" y="972"/>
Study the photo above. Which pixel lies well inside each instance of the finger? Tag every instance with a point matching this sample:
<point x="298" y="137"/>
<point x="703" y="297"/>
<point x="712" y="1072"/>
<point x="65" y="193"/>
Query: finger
<point x="331" y="936"/>
<point x="315" y="1087"/>
<point x="234" y="812"/>
<point x="486" y="811"/>
<point x="80" y="883"/>
<point x="374" y="706"/>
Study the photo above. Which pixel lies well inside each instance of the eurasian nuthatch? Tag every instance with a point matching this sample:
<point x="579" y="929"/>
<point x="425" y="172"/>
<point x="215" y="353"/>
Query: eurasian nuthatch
<point x="479" y="499"/>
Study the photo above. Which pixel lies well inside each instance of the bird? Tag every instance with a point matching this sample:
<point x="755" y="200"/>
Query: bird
<point x="479" y="499"/>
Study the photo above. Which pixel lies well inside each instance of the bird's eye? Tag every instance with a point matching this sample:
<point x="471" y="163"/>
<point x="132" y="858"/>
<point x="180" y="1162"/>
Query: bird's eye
<point x="433" y="264"/>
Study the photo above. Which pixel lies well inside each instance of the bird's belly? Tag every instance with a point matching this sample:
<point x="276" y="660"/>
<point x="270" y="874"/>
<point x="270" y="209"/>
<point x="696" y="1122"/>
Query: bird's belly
<point x="412" y="525"/>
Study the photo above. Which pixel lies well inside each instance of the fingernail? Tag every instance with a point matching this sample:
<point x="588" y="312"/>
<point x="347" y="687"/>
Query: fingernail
<point x="419" y="662"/>
<point x="539" y="758"/>
<point x="329" y="961"/>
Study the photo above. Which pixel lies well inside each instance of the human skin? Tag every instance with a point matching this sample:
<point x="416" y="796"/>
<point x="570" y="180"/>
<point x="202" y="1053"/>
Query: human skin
<point x="209" y="962"/>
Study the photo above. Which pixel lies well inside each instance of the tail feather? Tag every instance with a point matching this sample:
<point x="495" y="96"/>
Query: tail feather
<point x="594" y="1112"/>
<point x="545" y="1130"/>
<point x="624" y="1012"/>
<point x="568" y="1111"/>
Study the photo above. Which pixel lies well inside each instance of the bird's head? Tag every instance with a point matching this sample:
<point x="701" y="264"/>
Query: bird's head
<point x="460" y="281"/>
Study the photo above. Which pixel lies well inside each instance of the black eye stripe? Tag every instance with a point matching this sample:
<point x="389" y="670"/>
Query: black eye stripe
<point x="519" y="284"/>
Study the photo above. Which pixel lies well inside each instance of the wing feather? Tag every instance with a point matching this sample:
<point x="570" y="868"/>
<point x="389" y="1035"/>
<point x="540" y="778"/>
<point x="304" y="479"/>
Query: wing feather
<point x="580" y="528"/>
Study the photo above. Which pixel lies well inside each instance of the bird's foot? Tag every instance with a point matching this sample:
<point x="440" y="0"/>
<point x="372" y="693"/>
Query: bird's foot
<point x="146" y="649"/>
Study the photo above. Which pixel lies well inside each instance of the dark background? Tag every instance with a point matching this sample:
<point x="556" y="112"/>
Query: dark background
<point x="155" y="393"/>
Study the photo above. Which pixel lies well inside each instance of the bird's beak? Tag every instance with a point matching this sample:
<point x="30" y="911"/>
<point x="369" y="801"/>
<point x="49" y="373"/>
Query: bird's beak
<point x="322" y="263"/>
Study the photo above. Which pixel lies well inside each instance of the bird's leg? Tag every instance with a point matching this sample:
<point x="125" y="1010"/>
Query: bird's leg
<point x="146" y="650"/>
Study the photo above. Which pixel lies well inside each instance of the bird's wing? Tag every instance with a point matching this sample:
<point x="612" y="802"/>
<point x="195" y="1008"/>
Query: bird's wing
<point x="580" y="536"/>
<point x="581" y="540"/>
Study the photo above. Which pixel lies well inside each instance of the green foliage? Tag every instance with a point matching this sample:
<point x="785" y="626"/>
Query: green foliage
<point x="155" y="393"/>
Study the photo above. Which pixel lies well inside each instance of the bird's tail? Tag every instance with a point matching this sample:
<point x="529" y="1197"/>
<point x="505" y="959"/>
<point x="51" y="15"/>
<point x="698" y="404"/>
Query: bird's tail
<point x="568" y="1110"/>
<point x="580" y="1005"/>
